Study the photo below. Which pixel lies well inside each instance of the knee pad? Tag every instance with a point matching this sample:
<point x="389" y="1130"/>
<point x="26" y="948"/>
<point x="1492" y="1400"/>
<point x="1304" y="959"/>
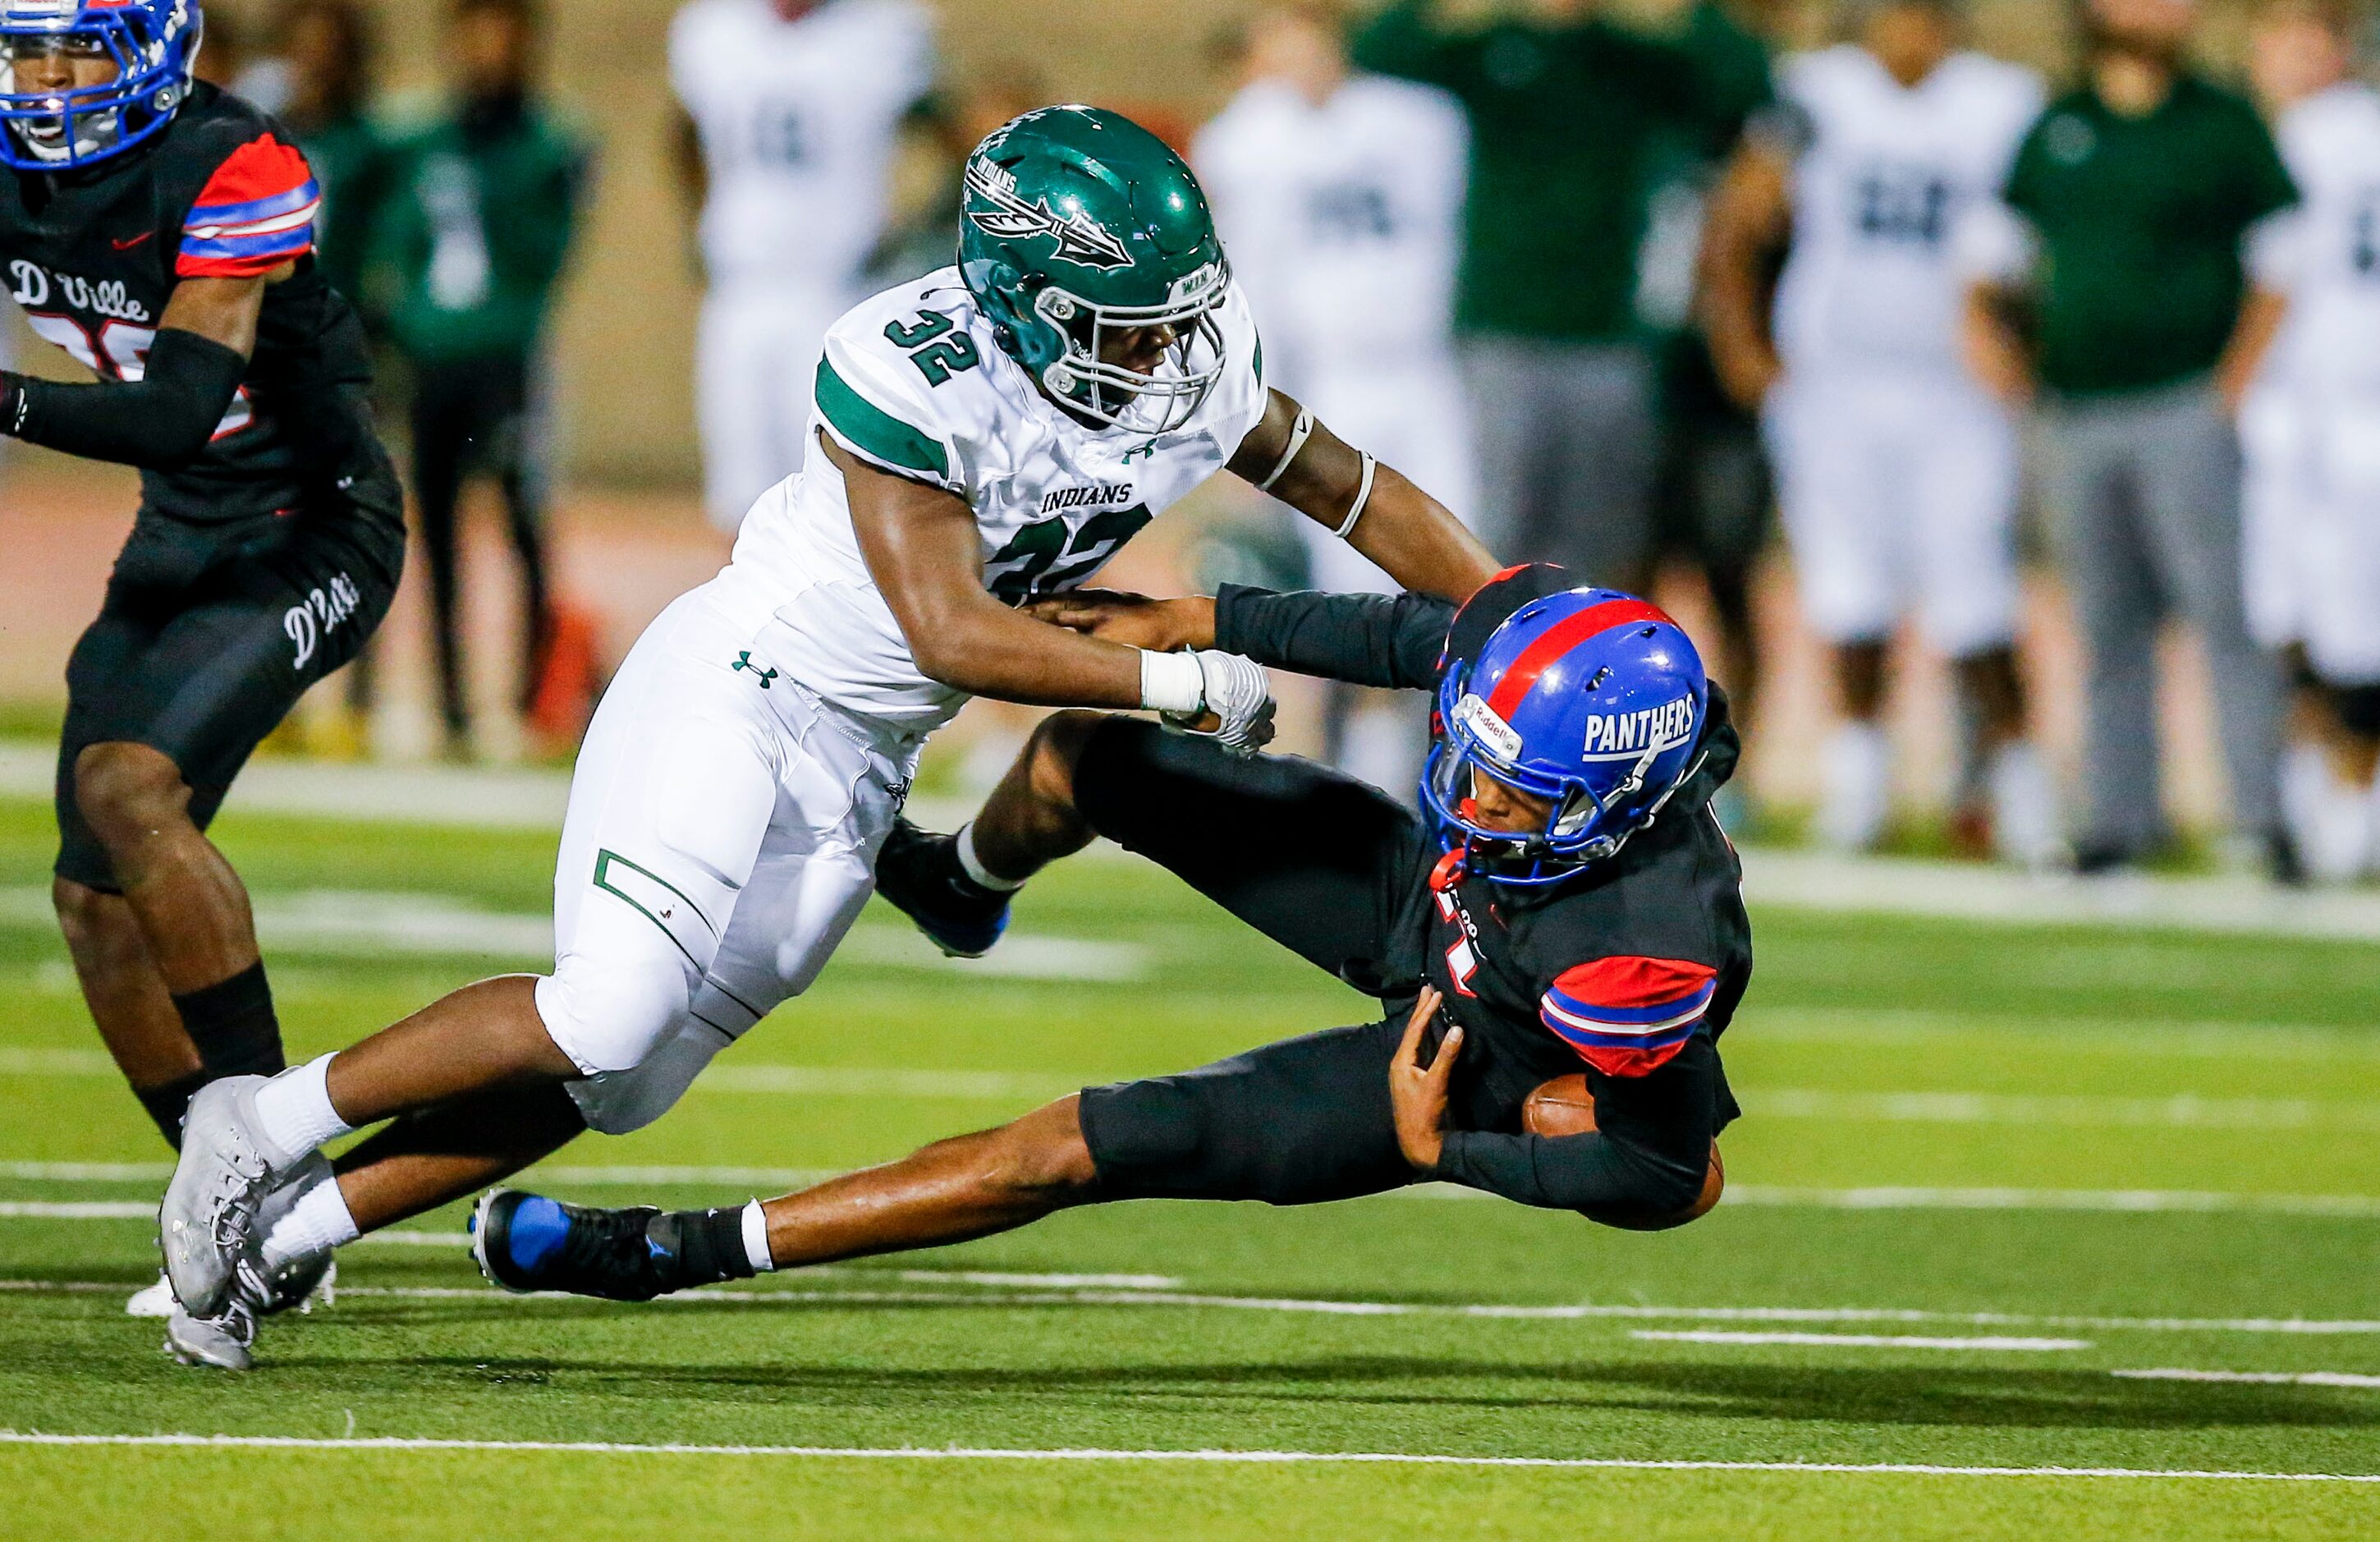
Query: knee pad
<point x="612" y="1016"/>
<point x="619" y="1102"/>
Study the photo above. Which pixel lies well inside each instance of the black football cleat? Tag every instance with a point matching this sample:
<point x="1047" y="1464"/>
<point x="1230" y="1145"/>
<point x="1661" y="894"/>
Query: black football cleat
<point x="919" y="873"/>
<point x="525" y="1241"/>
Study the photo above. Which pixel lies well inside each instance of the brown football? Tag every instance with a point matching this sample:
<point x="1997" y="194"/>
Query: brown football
<point x="1565" y="1107"/>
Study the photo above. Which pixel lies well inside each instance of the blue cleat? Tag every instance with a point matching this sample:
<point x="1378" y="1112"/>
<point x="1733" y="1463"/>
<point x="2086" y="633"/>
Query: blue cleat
<point x="919" y="873"/>
<point x="525" y="1241"/>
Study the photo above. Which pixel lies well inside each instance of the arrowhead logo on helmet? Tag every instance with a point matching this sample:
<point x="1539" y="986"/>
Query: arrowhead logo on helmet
<point x="1080" y="238"/>
<point x="1089" y="249"/>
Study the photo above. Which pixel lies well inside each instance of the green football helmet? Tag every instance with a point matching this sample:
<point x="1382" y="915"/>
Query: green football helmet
<point x="1080" y="223"/>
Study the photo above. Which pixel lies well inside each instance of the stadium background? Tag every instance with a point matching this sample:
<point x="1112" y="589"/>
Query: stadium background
<point x="628" y="531"/>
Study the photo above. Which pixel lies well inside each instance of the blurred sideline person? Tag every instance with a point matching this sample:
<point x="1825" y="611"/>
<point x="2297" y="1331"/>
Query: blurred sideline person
<point x="160" y="232"/>
<point x="985" y="438"/>
<point x="1340" y="198"/>
<point x="1563" y="104"/>
<point x="2122" y="228"/>
<point x="961" y="115"/>
<point x="2311" y="426"/>
<point x="483" y="202"/>
<point x="329" y="59"/>
<point x="788" y="113"/>
<point x="1712" y="486"/>
<point x="1897" y="474"/>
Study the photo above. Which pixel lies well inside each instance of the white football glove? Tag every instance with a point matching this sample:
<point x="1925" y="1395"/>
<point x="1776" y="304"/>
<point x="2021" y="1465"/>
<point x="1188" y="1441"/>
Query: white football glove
<point x="1236" y="691"/>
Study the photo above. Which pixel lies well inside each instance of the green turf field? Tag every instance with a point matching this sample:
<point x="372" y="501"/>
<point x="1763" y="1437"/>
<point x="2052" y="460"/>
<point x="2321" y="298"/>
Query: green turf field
<point x="1983" y="1173"/>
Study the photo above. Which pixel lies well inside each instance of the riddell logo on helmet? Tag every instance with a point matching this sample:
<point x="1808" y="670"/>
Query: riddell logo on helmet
<point x="1490" y="730"/>
<point x="1620" y="735"/>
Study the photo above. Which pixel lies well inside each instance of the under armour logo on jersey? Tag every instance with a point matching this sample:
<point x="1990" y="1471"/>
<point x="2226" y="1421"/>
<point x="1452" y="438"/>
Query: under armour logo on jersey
<point x="759" y="671"/>
<point x="1080" y="238"/>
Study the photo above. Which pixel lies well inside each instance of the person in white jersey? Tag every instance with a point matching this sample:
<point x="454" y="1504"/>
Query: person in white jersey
<point x="2309" y="426"/>
<point x="1341" y="197"/>
<point x="1897" y="475"/>
<point x="789" y="114"/>
<point x="985" y="437"/>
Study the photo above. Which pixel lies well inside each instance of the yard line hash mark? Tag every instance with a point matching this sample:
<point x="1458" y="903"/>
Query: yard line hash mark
<point x="1253" y="1458"/>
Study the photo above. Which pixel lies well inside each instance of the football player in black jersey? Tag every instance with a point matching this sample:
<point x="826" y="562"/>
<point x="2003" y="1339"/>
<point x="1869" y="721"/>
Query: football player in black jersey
<point x="1568" y="908"/>
<point x="161" y="232"/>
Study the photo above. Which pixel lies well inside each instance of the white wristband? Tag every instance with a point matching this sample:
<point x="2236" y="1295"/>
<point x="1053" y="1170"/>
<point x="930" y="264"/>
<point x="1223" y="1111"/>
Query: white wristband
<point x="1172" y="682"/>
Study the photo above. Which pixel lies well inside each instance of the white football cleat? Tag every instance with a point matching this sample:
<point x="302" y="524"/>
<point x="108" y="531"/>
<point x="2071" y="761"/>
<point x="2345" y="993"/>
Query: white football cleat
<point x="209" y="1214"/>
<point x="152" y="1301"/>
<point x="224" y="1341"/>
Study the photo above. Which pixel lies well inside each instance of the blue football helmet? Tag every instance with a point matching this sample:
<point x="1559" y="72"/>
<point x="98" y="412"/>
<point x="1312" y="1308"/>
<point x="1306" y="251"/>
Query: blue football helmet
<point x="53" y="126"/>
<point x="1591" y="701"/>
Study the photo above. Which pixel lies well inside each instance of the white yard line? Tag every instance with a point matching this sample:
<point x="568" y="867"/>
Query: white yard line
<point x="2123" y="1201"/>
<point x="375" y="924"/>
<point x="2236" y="904"/>
<point x="2270" y="1378"/>
<point x="1158" y="1291"/>
<point x="1856" y="1340"/>
<point x="2062" y="1110"/>
<point x="1252" y="1458"/>
<point x="2349" y="1206"/>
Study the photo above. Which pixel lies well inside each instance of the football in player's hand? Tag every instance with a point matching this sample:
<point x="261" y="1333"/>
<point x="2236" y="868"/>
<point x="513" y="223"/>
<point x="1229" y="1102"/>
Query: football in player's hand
<point x="1565" y="1107"/>
<point x="1561" y="1107"/>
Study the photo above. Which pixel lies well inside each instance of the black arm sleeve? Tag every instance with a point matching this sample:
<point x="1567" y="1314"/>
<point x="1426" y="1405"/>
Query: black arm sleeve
<point x="1365" y="639"/>
<point x="161" y="422"/>
<point x="1647" y="1159"/>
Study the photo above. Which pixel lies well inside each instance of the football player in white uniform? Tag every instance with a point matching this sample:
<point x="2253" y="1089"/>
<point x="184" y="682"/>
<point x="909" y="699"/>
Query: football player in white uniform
<point x="790" y="111"/>
<point x="983" y="437"/>
<point x="2309" y="426"/>
<point x="1897" y="474"/>
<point x="1340" y="199"/>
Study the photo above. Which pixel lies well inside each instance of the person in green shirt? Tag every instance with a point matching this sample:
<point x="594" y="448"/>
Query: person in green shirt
<point x="483" y="200"/>
<point x="2133" y="198"/>
<point x="329" y="49"/>
<point x="1566" y="108"/>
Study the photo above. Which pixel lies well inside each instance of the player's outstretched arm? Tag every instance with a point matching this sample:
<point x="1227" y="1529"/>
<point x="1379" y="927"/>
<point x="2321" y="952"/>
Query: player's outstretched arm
<point x="924" y="552"/>
<point x="165" y="418"/>
<point x="1412" y="536"/>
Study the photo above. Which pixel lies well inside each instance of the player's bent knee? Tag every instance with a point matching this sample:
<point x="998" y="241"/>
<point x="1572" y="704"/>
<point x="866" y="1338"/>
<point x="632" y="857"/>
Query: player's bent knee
<point x="127" y="790"/>
<point x="1044" y="1156"/>
<point x="612" y="1016"/>
<point x="1057" y="748"/>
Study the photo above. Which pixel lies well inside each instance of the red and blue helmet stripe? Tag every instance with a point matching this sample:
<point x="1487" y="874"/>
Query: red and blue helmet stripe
<point x="1590" y="699"/>
<point x="153" y="44"/>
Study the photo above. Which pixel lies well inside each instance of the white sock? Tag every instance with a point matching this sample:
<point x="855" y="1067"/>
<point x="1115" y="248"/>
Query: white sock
<point x="294" y="1108"/>
<point x="2024" y="806"/>
<point x="1859" y="774"/>
<point x="973" y="866"/>
<point x="2305" y="792"/>
<point x="318" y="1222"/>
<point x="2337" y="843"/>
<point x="756" y="1239"/>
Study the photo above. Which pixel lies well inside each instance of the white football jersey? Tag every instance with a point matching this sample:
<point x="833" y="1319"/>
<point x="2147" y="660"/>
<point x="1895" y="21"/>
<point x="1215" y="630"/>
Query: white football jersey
<point x="1344" y="222"/>
<point x="1881" y="183"/>
<point x="2325" y="252"/>
<point x="913" y="381"/>
<point x="798" y="121"/>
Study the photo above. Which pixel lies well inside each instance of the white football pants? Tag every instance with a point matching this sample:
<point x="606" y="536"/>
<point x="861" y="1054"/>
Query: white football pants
<point x="721" y="839"/>
<point x="756" y="350"/>
<point x="1899" y="494"/>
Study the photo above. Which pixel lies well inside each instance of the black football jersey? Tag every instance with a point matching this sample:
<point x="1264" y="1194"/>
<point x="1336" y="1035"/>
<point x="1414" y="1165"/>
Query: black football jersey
<point x="1649" y="946"/>
<point x="92" y="256"/>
